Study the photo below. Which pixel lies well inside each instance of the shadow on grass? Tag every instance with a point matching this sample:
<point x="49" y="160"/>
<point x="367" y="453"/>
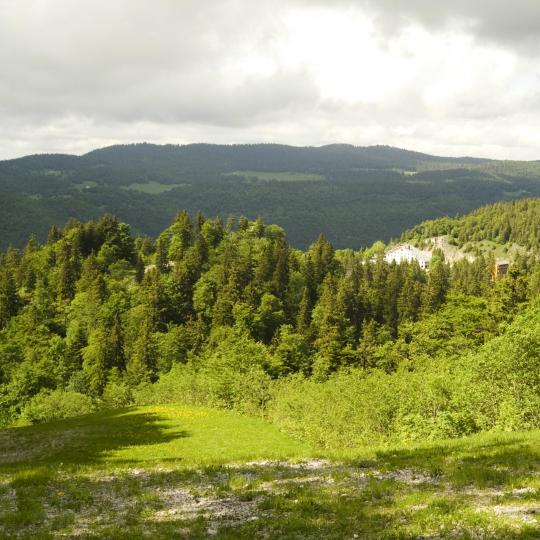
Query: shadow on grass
<point x="236" y="503"/>
<point x="85" y="440"/>
<point x="476" y="461"/>
<point x="320" y="500"/>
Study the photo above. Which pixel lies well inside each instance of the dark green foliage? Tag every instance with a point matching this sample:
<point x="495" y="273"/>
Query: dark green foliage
<point x="360" y="195"/>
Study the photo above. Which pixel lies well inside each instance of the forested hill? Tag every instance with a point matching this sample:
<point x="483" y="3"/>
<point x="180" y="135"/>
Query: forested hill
<point x="516" y="222"/>
<point x="219" y="312"/>
<point x="355" y="195"/>
<point x="124" y="164"/>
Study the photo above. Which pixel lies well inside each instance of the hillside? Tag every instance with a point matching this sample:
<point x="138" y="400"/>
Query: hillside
<point x="171" y="472"/>
<point x="218" y="313"/>
<point x="500" y="230"/>
<point x="216" y="381"/>
<point x="355" y="195"/>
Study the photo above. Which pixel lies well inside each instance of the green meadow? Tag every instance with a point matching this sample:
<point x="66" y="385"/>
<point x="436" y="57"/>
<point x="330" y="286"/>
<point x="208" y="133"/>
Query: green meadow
<point x="173" y="471"/>
<point x="285" y="176"/>
<point x="152" y="187"/>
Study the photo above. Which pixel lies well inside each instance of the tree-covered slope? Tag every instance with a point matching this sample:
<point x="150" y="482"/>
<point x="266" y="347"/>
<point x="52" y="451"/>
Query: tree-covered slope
<point x="516" y="222"/>
<point x="355" y="195"/>
<point x="349" y="357"/>
<point x="227" y="309"/>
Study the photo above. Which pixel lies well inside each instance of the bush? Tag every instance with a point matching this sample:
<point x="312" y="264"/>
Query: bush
<point x="346" y="411"/>
<point x="179" y="385"/>
<point x="502" y="386"/>
<point x="117" y="395"/>
<point x="359" y="408"/>
<point x="47" y="406"/>
<point x="246" y="391"/>
<point x="231" y="373"/>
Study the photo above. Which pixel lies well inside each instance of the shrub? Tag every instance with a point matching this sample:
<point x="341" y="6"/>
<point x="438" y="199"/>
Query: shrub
<point x="47" y="406"/>
<point x="347" y="410"/>
<point x="117" y="395"/>
<point x="179" y="385"/>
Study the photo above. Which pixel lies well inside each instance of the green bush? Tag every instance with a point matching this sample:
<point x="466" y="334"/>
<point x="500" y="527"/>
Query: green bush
<point x="117" y="395"/>
<point x="246" y="391"/>
<point x="348" y="410"/>
<point x="47" y="406"/>
<point x="179" y="385"/>
<point x="502" y="381"/>
<point x="358" y="408"/>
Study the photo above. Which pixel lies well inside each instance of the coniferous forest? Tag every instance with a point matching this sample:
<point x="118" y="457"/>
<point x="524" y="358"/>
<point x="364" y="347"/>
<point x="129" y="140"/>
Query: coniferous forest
<point x="355" y="194"/>
<point x="338" y="347"/>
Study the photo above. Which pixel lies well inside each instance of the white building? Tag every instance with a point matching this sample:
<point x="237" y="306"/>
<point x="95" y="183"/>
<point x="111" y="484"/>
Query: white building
<point x="408" y="253"/>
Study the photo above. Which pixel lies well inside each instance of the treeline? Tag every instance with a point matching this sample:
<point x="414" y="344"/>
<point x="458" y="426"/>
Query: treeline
<point x="510" y="222"/>
<point x="229" y="314"/>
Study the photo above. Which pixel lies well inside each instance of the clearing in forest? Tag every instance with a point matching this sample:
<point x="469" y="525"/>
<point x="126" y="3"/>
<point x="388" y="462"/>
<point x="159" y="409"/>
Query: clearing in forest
<point x="172" y="471"/>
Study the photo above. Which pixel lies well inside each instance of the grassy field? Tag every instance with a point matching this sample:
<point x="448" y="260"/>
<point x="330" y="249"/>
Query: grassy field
<point x="186" y="472"/>
<point x="152" y="188"/>
<point x="286" y="176"/>
<point x="86" y="185"/>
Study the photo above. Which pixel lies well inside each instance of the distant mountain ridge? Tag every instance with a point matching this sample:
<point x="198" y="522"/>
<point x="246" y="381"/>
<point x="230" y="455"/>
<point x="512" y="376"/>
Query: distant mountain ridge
<point x="355" y="195"/>
<point x="226" y="158"/>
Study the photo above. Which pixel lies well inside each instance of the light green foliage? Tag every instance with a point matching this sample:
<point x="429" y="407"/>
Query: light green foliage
<point x="504" y="385"/>
<point x="230" y="374"/>
<point x="340" y="349"/>
<point x="47" y="406"/>
<point x="496" y="387"/>
<point x="511" y="223"/>
<point x="291" y="353"/>
<point x="233" y="371"/>
<point x="117" y="393"/>
<point x="345" y="411"/>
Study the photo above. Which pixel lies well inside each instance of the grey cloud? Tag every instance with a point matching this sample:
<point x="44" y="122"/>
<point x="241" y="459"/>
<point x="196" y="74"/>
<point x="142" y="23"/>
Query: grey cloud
<point x="78" y="74"/>
<point x="167" y="61"/>
<point x="511" y="24"/>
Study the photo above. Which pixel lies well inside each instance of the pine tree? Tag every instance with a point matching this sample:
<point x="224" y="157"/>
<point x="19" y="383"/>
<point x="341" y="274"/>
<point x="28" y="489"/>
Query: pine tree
<point x="410" y="297"/>
<point x="331" y="329"/>
<point x="142" y="365"/>
<point x="437" y="285"/>
<point x="162" y="256"/>
<point x="9" y="297"/>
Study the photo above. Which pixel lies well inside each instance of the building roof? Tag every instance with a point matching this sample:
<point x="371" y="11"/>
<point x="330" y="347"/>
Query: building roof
<point x="407" y="251"/>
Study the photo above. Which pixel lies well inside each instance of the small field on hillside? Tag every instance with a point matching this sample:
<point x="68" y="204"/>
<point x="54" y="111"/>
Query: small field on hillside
<point x="286" y="176"/>
<point x="187" y="472"/>
<point x="152" y="188"/>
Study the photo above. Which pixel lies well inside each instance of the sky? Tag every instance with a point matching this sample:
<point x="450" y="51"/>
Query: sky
<point x="452" y="78"/>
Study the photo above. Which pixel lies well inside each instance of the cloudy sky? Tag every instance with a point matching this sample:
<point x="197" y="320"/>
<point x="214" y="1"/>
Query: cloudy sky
<point x="451" y="77"/>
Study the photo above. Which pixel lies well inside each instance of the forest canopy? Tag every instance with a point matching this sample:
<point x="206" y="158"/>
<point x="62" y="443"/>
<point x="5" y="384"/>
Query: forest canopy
<point x="230" y="315"/>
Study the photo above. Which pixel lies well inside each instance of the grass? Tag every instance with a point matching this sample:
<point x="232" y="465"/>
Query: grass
<point x="285" y="176"/>
<point x="506" y="251"/>
<point x="149" y="436"/>
<point x="85" y="185"/>
<point x="187" y="472"/>
<point x="152" y="187"/>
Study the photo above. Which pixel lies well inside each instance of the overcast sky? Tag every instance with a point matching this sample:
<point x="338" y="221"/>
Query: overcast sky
<point x="450" y="77"/>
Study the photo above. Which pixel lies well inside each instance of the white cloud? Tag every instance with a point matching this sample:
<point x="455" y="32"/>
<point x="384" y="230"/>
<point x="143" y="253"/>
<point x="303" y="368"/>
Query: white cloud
<point x="459" y="79"/>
